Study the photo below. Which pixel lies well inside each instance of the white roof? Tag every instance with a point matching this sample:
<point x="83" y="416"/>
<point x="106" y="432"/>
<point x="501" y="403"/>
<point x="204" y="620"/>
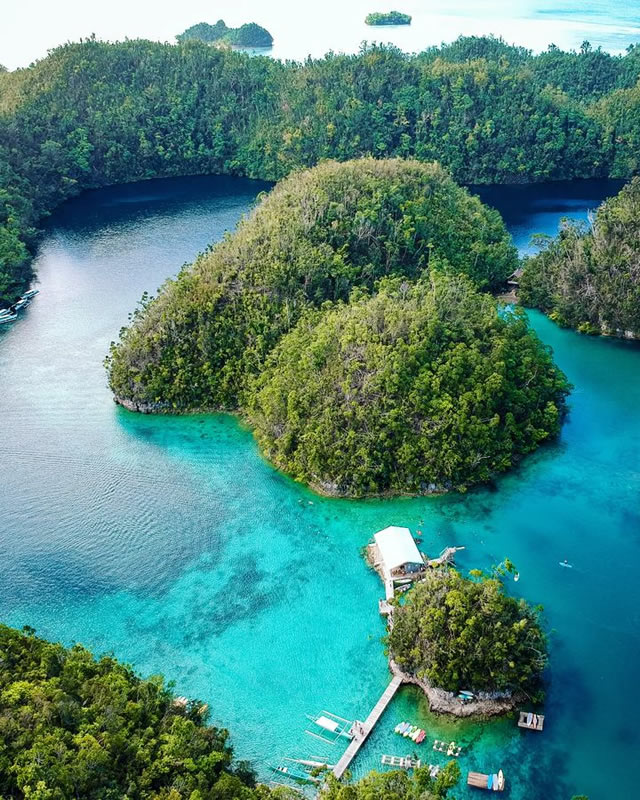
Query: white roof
<point x="397" y="547"/>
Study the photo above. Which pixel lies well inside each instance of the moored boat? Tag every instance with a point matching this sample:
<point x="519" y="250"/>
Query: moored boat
<point x="8" y="318"/>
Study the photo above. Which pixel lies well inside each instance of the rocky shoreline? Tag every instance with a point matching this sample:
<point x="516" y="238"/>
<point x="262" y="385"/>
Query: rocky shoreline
<point x="487" y="704"/>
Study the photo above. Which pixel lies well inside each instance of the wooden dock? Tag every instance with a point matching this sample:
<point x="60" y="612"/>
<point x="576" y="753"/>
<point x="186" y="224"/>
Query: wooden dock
<point x="481" y="781"/>
<point x="536" y="724"/>
<point x="362" y="731"/>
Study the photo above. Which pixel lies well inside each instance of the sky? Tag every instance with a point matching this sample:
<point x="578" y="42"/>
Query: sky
<point x="29" y="28"/>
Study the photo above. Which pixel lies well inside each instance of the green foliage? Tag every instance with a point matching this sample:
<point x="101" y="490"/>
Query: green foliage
<point x="390" y="18"/>
<point x="589" y="278"/>
<point x="73" y="726"/>
<point x="396" y="785"/>
<point x="203" y="32"/>
<point x="93" y="114"/>
<point x="429" y="385"/>
<point x="317" y="235"/>
<point x="459" y="633"/>
<point x="248" y="35"/>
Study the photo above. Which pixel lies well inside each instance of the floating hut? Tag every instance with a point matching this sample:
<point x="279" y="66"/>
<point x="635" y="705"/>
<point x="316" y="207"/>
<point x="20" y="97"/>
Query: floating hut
<point x="395" y="556"/>
<point x="533" y="722"/>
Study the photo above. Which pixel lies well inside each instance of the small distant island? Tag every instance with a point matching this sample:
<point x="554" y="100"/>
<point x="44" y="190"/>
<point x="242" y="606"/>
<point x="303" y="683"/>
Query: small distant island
<point x="390" y="18"/>
<point x="248" y="35"/>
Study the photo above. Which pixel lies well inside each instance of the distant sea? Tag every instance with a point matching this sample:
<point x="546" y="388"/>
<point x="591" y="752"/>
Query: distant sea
<point x="303" y="29"/>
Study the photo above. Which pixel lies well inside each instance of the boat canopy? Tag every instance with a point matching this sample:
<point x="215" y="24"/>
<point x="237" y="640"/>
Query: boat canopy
<point x="328" y="724"/>
<point x="398" y="548"/>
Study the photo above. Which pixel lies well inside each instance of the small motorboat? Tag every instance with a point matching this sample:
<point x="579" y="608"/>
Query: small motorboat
<point x="421" y="737"/>
<point x="30" y="293"/>
<point x="566" y="564"/>
<point x="8" y="318"/>
<point x="500" y="780"/>
<point x="399" y="727"/>
<point x="490" y="781"/>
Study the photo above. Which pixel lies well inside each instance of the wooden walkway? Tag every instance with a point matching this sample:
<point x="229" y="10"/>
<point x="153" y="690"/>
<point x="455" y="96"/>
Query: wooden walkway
<point x="362" y="731"/>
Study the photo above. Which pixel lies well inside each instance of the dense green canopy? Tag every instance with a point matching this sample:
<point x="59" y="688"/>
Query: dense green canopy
<point x="589" y="278"/>
<point x="459" y="633"/>
<point x="312" y="239"/>
<point x="396" y="785"/>
<point x="428" y="386"/>
<point x="388" y="18"/>
<point x="75" y="727"/>
<point x="92" y="114"/>
<point x="248" y="35"/>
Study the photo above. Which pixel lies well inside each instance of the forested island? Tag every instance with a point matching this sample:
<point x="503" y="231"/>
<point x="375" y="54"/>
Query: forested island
<point x="457" y="633"/>
<point x="349" y="301"/>
<point x="390" y="18"/>
<point x="487" y="111"/>
<point x="588" y="278"/>
<point x="248" y="35"/>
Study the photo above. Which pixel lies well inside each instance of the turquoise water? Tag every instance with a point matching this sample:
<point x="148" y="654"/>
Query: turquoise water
<point x="170" y="542"/>
<point x="302" y="29"/>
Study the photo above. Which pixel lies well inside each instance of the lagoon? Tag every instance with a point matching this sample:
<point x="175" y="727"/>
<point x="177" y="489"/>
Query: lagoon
<point x="169" y="541"/>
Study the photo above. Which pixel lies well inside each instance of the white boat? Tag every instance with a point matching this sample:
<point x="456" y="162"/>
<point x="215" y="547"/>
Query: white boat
<point x="30" y="293"/>
<point x="6" y="319"/>
<point x="500" y="780"/>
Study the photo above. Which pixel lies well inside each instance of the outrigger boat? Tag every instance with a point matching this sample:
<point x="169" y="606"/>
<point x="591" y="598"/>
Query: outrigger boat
<point x="30" y="293"/>
<point x="8" y="318"/>
<point x="332" y="724"/>
<point x="289" y="768"/>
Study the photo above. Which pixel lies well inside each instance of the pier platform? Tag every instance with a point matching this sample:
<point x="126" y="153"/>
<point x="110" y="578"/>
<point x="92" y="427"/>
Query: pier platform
<point x="362" y="730"/>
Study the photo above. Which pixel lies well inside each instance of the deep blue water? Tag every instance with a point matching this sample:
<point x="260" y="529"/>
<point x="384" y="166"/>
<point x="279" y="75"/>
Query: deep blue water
<point x="170" y="542"/>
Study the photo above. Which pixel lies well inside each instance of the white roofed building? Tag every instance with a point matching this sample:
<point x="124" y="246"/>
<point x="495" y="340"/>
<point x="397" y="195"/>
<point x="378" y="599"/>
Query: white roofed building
<point x="398" y="553"/>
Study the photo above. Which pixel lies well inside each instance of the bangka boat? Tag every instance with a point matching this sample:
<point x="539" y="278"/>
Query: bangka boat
<point x="8" y="318"/>
<point x="292" y="770"/>
<point x="31" y="293"/>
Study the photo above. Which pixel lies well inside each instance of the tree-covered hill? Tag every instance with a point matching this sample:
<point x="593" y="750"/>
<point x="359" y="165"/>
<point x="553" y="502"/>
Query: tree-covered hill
<point x="72" y="726"/>
<point x="429" y="386"/>
<point x="388" y="18"/>
<point x="462" y="633"/>
<point x="317" y="235"/>
<point x="92" y="114"/>
<point x="248" y="35"/>
<point x="589" y="278"/>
